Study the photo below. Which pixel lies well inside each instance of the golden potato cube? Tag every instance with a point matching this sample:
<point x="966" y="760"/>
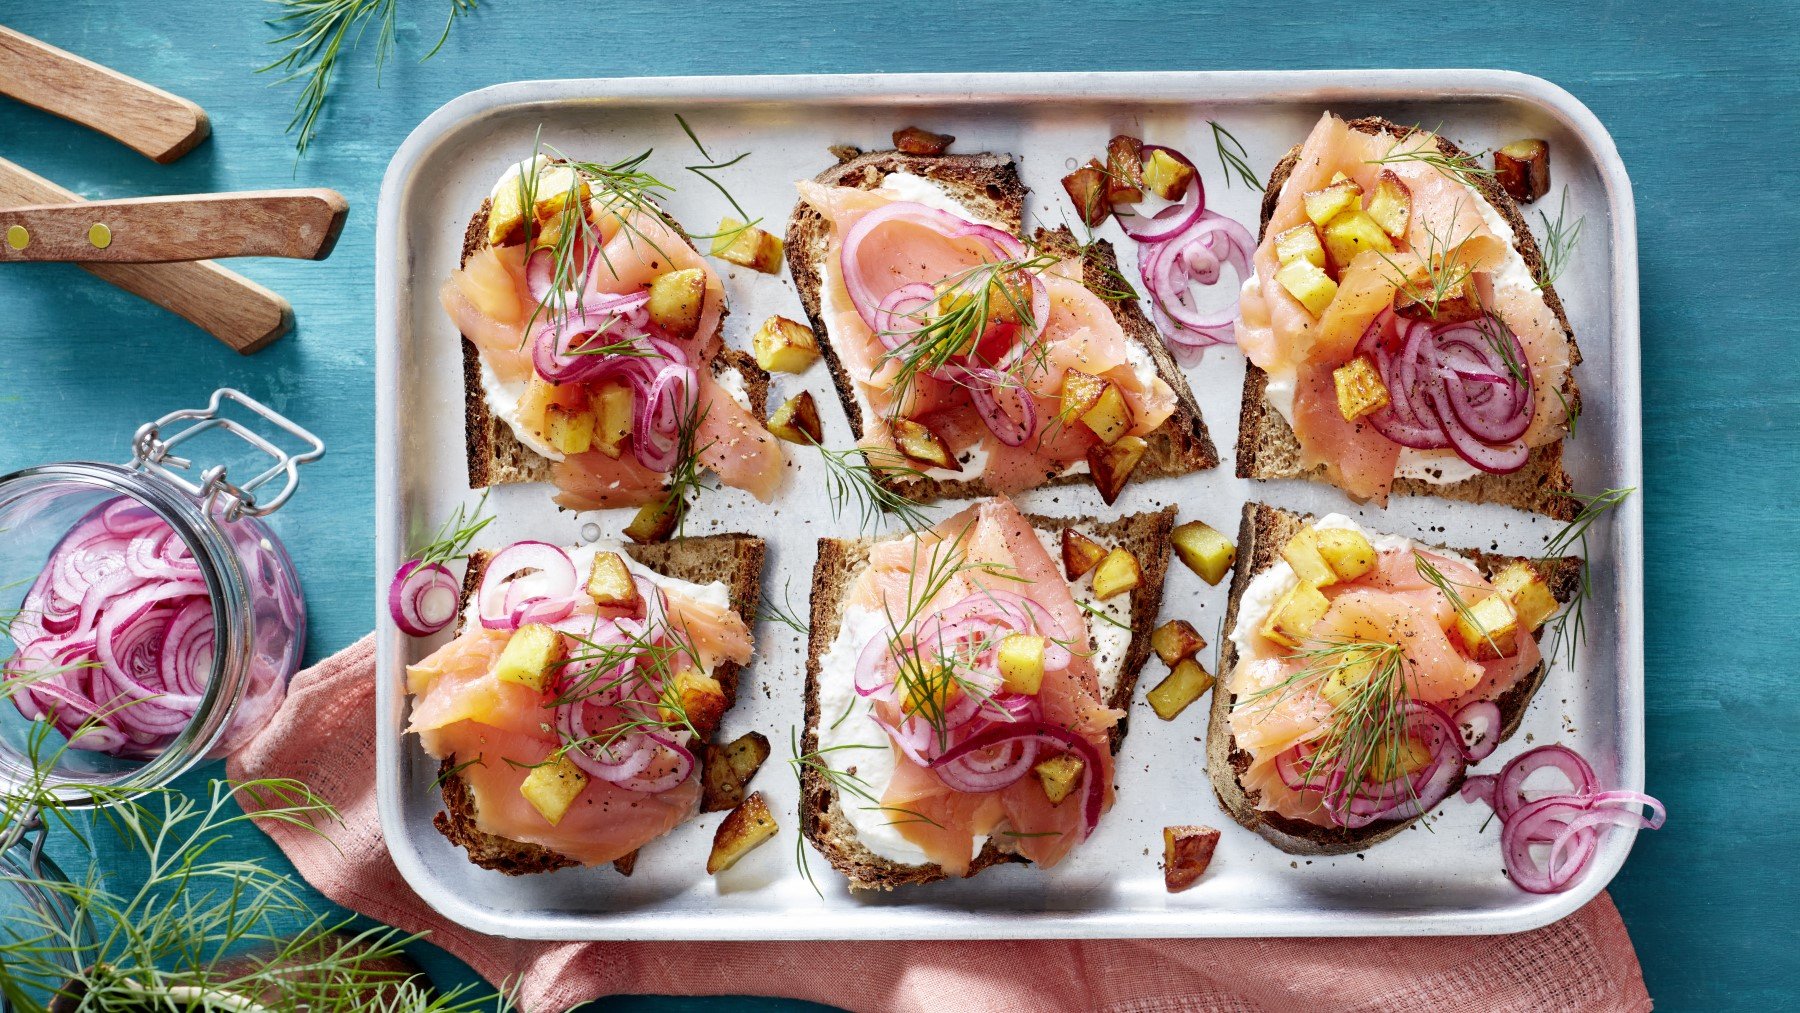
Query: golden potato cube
<point x="1409" y="757"/>
<point x="1110" y="417"/>
<point x="1359" y="388"/>
<point x="1086" y="186"/>
<point x="1530" y="596"/>
<point x="1059" y="775"/>
<point x="747" y="246"/>
<point x="1294" y="615"/>
<point x="1187" y="852"/>
<point x="1489" y="628"/>
<point x="552" y="788"/>
<point x="655" y="521"/>
<point x="1300" y="243"/>
<point x="1348" y="552"/>
<point x="916" y="141"/>
<point x="784" y="346"/>
<point x="1080" y="392"/>
<point x="547" y="191"/>
<point x="1111" y="467"/>
<point x="728" y="769"/>
<point x="529" y="655"/>
<point x="921" y="444"/>
<point x="796" y="420"/>
<point x="1204" y="550"/>
<point x="1308" y="283"/>
<point x="1350" y="234"/>
<point x="1455" y="303"/>
<point x="1184" y="684"/>
<point x="1175" y="640"/>
<point x="1391" y="204"/>
<point x="1522" y="169"/>
<point x="569" y="430"/>
<point x="1345" y="678"/>
<point x="742" y="830"/>
<point x="1302" y="553"/>
<point x="927" y="690"/>
<point x="1327" y="203"/>
<point x="676" y="299"/>
<point x="609" y="582"/>
<point x="612" y="403"/>
<point x="695" y="697"/>
<point x="1166" y="177"/>
<point x="1021" y="658"/>
<point x="534" y="404"/>
<point x="1117" y="573"/>
<point x="1080" y="554"/>
<point x="1124" y="170"/>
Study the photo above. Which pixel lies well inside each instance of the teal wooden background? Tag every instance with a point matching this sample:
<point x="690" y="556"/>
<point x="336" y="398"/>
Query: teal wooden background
<point x="1703" y="100"/>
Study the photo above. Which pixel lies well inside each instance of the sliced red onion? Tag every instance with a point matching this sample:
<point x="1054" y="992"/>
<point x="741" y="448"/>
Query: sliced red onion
<point x="1194" y="256"/>
<point x="1449" y="387"/>
<point x="422" y="598"/>
<point x="1011" y="426"/>
<point x="1170" y="221"/>
<point x="1044" y="733"/>
<point x="555" y="578"/>
<point x="1479" y="724"/>
<point x="1000" y="245"/>
<point x="562" y="349"/>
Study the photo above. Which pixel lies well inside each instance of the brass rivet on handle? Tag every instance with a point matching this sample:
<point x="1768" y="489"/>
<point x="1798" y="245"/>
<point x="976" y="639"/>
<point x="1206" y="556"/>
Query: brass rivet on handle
<point x="18" y="237"/>
<point x="99" y="235"/>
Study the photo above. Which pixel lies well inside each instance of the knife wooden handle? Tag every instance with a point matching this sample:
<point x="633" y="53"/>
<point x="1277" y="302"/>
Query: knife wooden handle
<point x="244" y="315"/>
<point x="140" y="116"/>
<point x="300" y="224"/>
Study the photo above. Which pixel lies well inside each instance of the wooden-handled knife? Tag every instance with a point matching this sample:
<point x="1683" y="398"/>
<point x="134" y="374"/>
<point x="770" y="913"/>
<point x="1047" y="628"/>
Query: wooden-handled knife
<point x="300" y="224"/>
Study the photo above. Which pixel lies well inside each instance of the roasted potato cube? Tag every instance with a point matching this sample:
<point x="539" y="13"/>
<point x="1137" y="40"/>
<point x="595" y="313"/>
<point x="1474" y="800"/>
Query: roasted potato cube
<point x="747" y="246"/>
<point x="728" y="769"/>
<point x="1328" y="202"/>
<point x="534" y="404"/>
<point x="1117" y="573"/>
<point x="1308" y="284"/>
<point x="1187" y="851"/>
<point x="926" y="690"/>
<point x="1522" y="169"/>
<point x="1205" y="551"/>
<point x="1350" y="234"/>
<point x="796" y="420"/>
<point x="784" y="346"/>
<point x="529" y="655"/>
<point x="1340" y="685"/>
<point x="740" y="832"/>
<point x="1165" y="176"/>
<point x="1185" y="683"/>
<point x="1080" y="554"/>
<point x="920" y="444"/>
<point x="1080" y="392"/>
<point x="1059" y="776"/>
<point x="1302" y="553"/>
<point x="609" y="582"/>
<point x="1021" y="658"/>
<point x="1175" y="640"/>
<point x="569" y="430"/>
<point x="1391" y="204"/>
<point x="656" y="521"/>
<point x="1348" y="552"/>
<point x="1086" y="186"/>
<point x="1409" y="757"/>
<point x="612" y="403"/>
<point x="1455" y="304"/>
<point x="1110" y="417"/>
<point x="1112" y="466"/>
<point x="548" y="192"/>
<point x="1301" y="243"/>
<point x="695" y="697"/>
<point x="1294" y="615"/>
<point x="917" y="141"/>
<point x="1359" y="388"/>
<point x="1124" y="170"/>
<point x="1530" y="596"/>
<point x="676" y="299"/>
<point x="552" y="788"/>
<point x="1489" y="628"/>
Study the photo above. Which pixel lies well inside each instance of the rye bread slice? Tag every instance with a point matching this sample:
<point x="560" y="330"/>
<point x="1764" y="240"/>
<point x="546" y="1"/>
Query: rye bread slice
<point x="1267" y="447"/>
<point x="735" y="559"/>
<point x="989" y="185"/>
<point x="1261" y="535"/>
<point x="822" y="817"/>
<point x="495" y="454"/>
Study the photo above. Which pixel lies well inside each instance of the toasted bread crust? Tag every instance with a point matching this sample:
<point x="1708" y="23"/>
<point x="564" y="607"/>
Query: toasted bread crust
<point x="735" y="559"/>
<point x="989" y="184"/>
<point x="1267" y="447"/>
<point x="822" y="817"/>
<point x="1261" y="535"/>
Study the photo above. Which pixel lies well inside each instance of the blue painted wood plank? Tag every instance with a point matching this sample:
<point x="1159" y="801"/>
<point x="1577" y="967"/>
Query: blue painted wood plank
<point x="1703" y="101"/>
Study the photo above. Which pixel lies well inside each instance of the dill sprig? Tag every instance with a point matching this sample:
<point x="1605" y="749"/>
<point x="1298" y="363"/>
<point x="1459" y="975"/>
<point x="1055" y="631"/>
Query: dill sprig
<point x="1233" y="159"/>
<point x="1561" y="237"/>
<point x="1435" y="577"/>
<point x="784" y="613"/>
<point x="953" y="323"/>
<point x="1568" y="628"/>
<point x="844" y="783"/>
<point x="862" y="475"/>
<point x="650" y="658"/>
<point x="703" y="172"/>
<point x="451" y="542"/>
<point x="316" y="31"/>
<point x="1445" y="272"/>
<point x="687" y="480"/>
<point x="1462" y="167"/>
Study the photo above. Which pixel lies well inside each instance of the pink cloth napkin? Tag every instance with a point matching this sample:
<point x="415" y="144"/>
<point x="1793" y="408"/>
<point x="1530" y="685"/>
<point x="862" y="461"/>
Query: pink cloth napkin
<point x="324" y="735"/>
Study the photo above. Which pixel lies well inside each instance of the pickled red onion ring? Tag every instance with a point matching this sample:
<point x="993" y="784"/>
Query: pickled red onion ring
<point x="1172" y="267"/>
<point x="1453" y="387"/>
<point x="422" y="598"/>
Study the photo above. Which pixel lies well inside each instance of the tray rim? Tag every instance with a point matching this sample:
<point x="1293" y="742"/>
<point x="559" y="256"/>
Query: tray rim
<point x="1226" y="87"/>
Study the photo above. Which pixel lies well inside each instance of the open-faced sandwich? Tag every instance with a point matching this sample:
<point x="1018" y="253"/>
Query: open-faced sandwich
<point x="569" y="710"/>
<point x="1402" y="331"/>
<point x="1362" y="672"/>
<point x="967" y="687"/>
<point x="979" y="363"/>
<point x="592" y="351"/>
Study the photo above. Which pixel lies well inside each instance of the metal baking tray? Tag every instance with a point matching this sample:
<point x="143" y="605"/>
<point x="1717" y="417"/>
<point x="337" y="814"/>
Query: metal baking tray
<point x="1444" y="879"/>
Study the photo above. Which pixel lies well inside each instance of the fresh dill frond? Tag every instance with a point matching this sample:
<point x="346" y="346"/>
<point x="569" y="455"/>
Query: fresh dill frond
<point x="454" y="770"/>
<point x="1435" y="577"/>
<point x="688" y="479"/>
<point x="783" y="613"/>
<point x="1446" y="276"/>
<point x="1561" y="237"/>
<point x="1461" y="167"/>
<point x="451" y="542"/>
<point x="844" y="783"/>
<point x="1568" y="628"/>
<point x="856" y="474"/>
<point x="953" y="323"/>
<point x="1101" y="614"/>
<point x="703" y="172"/>
<point x="1233" y="159"/>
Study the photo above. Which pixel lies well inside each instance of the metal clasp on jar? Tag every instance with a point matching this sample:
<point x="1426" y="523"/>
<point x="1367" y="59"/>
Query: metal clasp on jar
<point x="151" y="452"/>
